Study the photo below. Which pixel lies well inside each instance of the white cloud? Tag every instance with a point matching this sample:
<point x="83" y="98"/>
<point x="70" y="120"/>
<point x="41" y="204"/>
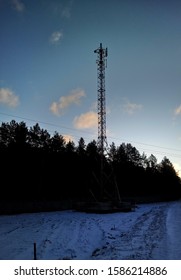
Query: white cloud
<point x="58" y="108"/>
<point x="54" y="108"/>
<point x="177" y="111"/>
<point x="177" y="168"/>
<point x="131" y="108"/>
<point x="85" y="121"/>
<point x="56" y="37"/>
<point x="8" y="97"/>
<point x="18" y="5"/>
<point x="68" y="138"/>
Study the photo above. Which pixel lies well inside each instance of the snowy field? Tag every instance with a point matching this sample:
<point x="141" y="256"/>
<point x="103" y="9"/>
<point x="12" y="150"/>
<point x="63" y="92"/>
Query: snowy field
<point x="152" y="231"/>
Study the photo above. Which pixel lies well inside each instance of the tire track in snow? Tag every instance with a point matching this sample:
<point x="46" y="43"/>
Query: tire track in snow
<point x="74" y="238"/>
<point x="139" y="241"/>
<point x="169" y="248"/>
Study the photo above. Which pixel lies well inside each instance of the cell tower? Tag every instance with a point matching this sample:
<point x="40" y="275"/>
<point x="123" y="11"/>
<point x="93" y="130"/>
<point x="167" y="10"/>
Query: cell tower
<point x="102" y="140"/>
<point x="101" y="65"/>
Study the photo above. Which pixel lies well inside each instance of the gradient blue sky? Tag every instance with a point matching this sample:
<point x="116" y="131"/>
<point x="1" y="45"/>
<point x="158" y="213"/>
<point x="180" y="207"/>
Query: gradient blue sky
<point x="48" y="71"/>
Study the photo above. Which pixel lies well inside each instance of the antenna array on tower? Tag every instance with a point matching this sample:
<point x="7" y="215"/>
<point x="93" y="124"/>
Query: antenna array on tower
<point x="101" y="65"/>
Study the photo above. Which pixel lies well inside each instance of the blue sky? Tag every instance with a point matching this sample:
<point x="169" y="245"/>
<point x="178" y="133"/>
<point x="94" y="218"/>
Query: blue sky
<point x="48" y="71"/>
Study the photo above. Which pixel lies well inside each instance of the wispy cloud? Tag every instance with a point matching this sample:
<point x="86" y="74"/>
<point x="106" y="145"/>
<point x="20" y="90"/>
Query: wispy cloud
<point x="55" y="37"/>
<point x="18" y="5"/>
<point x="8" y="97"/>
<point x="177" y="111"/>
<point x="61" y="9"/>
<point x="131" y="108"/>
<point x="86" y="121"/>
<point x="66" y="11"/>
<point x="58" y="107"/>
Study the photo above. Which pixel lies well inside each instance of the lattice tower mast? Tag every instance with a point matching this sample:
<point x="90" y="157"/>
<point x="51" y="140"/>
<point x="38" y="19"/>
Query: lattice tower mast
<point x="101" y="65"/>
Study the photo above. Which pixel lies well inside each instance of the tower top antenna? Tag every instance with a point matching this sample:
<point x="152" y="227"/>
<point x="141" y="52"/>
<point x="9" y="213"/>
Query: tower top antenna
<point x="101" y="61"/>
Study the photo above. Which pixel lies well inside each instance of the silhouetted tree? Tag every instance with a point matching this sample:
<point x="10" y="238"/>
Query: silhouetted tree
<point x="92" y="149"/>
<point x="112" y="152"/>
<point x="57" y="143"/>
<point x="81" y="147"/>
<point x="152" y="162"/>
<point x="13" y="134"/>
<point x="70" y="147"/>
<point x="38" y="138"/>
<point x="40" y="167"/>
<point x="169" y="179"/>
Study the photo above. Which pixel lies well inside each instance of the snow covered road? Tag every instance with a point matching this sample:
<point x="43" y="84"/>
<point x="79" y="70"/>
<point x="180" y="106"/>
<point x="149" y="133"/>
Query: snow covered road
<point x="174" y="231"/>
<point x="152" y="231"/>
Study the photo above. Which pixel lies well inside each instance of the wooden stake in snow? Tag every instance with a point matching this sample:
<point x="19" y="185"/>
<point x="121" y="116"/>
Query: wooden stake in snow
<point x="35" y="251"/>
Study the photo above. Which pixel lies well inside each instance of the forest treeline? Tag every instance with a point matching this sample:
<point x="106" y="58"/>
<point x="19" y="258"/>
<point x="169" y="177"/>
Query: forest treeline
<point x="36" y="166"/>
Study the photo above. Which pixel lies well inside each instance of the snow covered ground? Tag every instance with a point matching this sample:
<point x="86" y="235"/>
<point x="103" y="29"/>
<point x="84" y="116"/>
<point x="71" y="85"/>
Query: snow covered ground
<point x="152" y="231"/>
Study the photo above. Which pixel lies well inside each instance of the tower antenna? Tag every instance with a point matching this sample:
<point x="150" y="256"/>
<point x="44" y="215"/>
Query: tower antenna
<point x="101" y="106"/>
<point x="108" y="199"/>
<point x="101" y="65"/>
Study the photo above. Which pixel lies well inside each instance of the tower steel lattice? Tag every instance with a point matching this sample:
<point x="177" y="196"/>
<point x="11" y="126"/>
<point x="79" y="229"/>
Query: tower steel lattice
<point x="101" y="65"/>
